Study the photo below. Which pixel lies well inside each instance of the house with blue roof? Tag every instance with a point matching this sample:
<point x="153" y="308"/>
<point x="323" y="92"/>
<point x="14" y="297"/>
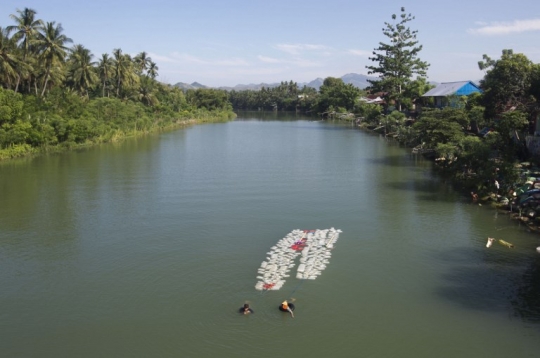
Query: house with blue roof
<point x="443" y="93"/>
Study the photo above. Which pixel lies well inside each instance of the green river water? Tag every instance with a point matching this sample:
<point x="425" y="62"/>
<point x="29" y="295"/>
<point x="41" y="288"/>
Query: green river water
<point x="147" y="248"/>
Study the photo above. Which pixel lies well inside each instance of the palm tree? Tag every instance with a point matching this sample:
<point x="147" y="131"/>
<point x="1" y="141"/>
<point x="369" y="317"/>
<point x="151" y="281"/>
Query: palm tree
<point x="152" y="70"/>
<point x="105" y="71"/>
<point x="25" y="29"/>
<point x="24" y="69"/>
<point x="119" y="68"/>
<point x="8" y="59"/>
<point x="147" y="91"/>
<point x="124" y="71"/>
<point x="142" y="61"/>
<point x="82" y="73"/>
<point x="51" y="48"/>
<point x="54" y="75"/>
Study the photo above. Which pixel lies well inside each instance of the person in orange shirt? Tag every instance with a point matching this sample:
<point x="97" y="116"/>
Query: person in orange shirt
<point x="285" y="307"/>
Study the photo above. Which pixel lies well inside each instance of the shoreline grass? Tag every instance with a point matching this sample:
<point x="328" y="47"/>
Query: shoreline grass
<point x="114" y="136"/>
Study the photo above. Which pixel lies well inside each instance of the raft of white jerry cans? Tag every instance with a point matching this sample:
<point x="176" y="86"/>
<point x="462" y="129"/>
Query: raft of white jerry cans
<point x="313" y="247"/>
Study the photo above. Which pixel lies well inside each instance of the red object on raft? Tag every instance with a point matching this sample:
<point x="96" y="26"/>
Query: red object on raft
<point x="299" y="245"/>
<point x="268" y="286"/>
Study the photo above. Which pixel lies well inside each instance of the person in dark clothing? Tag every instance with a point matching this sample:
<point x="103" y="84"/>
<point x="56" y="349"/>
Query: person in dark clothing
<point x="246" y="309"/>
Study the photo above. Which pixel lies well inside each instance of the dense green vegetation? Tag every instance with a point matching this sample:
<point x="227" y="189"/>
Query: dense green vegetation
<point x="333" y="95"/>
<point x="53" y="96"/>
<point x="506" y="110"/>
<point x="285" y="97"/>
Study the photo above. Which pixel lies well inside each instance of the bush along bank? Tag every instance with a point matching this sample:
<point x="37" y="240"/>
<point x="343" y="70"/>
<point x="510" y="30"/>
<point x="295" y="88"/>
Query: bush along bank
<point x="486" y="161"/>
<point x="63" y="120"/>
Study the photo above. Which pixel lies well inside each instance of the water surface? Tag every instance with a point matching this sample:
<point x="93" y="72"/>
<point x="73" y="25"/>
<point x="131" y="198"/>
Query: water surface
<point x="148" y="248"/>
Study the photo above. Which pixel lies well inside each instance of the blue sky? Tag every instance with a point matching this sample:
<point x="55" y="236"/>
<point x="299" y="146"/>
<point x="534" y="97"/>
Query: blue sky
<point x="228" y="42"/>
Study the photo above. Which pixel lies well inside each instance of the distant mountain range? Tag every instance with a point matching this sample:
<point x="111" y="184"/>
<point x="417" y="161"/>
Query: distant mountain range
<point x="357" y="80"/>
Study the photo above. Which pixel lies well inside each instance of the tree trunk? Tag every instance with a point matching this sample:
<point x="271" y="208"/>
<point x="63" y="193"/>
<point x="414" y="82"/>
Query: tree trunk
<point x="399" y="101"/>
<point x="46" y="81"/>
<point x="18" y="81"/>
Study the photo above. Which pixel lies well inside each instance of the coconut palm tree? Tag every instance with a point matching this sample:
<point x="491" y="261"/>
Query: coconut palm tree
<point x="105" y="71"/>
<point x="152" y="70"/>
<point x="51" y="46"/>
<point x="124" y="71"/>
<point x="120" y="69"/>
<point x="142" y="61"/>
<point x="24" y="69"/>
<point x="147" y="91"/>
<point x="82" y="73"/>
<point x="25" y="31"/>
<point x="8" y="59"/>
<point x="54" y="75"/>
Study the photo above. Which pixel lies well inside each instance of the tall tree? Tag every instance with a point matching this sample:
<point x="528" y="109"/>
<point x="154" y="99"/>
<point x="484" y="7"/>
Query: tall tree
<point x="124" y="71"/>
<point x="507" y="83"/>
<point x="8" y="59"/>
<point x="152" y="70"/>
<point x="25" y="30"/>
<point x="52" y="50"/>
<point x="147" y="91"/>
<point x="334" y="93"/>
<point x="142" y="61"/>
<point x="82" y="73"/>
<point x="105" y="72"/>
<point x="415" y="90"/>
<point x="397" y="61"/>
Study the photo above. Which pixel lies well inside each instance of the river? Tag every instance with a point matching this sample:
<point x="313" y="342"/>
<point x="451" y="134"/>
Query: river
<point x="147" y="248"/>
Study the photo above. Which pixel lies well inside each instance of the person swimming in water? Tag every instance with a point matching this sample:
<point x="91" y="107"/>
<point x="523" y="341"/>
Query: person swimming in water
<point x="246" y="309"/>
<point x="285" y="307"/>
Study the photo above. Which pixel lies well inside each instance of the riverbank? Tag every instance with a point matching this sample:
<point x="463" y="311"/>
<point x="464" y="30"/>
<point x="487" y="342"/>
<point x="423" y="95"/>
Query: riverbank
<point x="63" y="121"/>
<point x="25" y="150"/>
<point x="31" y="126"/>
<point x="514" y="199"/>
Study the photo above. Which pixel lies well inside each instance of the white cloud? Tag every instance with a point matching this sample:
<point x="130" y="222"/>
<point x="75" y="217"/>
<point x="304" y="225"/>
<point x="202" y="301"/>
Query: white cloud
<point x="299" y="62"/>
<point x="258" y="71"/>
<point x="176" y="57"/>
<point x="269" y="59"/>
<point x="232" y="62"/>
<point x="183" y="58"/>
<point x="504" y="28"/>
<point x="296" y="49"/>
<point x="159" y="58"/>
<point x="360" y="53"/>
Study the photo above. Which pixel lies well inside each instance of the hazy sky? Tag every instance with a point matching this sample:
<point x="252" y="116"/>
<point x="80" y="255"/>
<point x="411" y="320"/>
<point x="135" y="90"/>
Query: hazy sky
<point x="228" y="42"/>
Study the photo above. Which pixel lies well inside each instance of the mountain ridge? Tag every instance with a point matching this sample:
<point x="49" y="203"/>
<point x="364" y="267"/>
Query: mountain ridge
<point x="357" y="80"/>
